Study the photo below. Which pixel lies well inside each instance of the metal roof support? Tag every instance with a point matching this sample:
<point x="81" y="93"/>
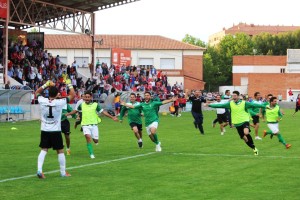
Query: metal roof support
<point x="26" y="14"/>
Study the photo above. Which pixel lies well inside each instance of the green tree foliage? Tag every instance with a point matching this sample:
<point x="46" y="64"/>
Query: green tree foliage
<point x="193" y="40"/>
<point x="217" y="60"/>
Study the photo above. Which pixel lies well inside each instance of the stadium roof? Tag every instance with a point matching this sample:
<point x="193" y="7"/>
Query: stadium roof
<point x="154" y="42"/>
<point x="89" y="5"/>
<point x="66" y="15"/>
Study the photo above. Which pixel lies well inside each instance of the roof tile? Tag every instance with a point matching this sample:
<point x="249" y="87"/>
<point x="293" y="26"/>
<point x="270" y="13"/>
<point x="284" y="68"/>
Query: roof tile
<point x="68" y="41"/>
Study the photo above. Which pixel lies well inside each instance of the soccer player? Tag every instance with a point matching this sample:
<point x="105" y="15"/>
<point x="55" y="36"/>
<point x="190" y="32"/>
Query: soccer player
<point x="240" y="117"/>
<point x="197" y="101"/>
<point x="134" y="118"/>
<point x="149" y="108"/>
<point x="273" y="116"/>
<point x="90" y="119"/>
<point x="221" y="116"/>
<point x="78" y="121"/>
<point x="51" y="111"/>
<point x="267" y="102"/>
<point x="65" y="124"/>
<point x="255" y="114"/>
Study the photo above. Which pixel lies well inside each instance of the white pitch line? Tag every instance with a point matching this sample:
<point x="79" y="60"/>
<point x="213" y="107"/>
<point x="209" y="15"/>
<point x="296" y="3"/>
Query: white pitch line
<point x="80" y="166"/>
<point x="232" y="155"/>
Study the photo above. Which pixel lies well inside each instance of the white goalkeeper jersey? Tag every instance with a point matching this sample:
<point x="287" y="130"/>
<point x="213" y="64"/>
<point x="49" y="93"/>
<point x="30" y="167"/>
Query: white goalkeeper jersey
<point x="51" y="113"/>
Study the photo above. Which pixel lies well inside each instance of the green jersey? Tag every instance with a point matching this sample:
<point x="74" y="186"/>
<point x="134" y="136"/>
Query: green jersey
<point x="66" y="110"/>
<point x="273" y="115"/>
<point x="254" y="111"/>
<point x="150" y="111"/>
<point x="134" y="114"/>
<point x="239" y="110"/>
<point x="89" y="113"/>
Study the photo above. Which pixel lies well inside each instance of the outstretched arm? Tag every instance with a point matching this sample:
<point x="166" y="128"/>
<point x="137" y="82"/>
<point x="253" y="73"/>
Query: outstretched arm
<point x="220" y="105"/>
<point x="169" y="100"/>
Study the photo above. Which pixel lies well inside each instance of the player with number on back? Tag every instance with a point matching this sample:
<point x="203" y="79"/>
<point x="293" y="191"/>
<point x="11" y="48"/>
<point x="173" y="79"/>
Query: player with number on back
<point x="51" y="111"/>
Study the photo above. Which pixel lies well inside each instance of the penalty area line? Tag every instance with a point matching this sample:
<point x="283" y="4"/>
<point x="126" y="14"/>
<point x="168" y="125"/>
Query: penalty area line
<point x="233" y="155"/>
<point x="80" y="166"/>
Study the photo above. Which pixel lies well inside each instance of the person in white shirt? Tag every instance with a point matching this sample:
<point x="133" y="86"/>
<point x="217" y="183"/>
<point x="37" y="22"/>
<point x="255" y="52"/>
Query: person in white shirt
<point x="222" y="116"/>
<point x="51" y="111"/>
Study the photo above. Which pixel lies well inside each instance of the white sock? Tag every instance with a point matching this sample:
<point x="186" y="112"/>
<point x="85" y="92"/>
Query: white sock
<point x="41" y="159"/>
<point x="140" y="140"/>
<point x="62" y="163"/>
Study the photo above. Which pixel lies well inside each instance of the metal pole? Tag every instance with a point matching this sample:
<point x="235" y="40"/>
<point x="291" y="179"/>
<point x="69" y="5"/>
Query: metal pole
<point x="6" y="43"/>
<point x="93" y="45"/>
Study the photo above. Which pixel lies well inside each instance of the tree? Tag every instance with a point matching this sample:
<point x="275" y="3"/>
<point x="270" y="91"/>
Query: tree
<point x="193" y="40"/>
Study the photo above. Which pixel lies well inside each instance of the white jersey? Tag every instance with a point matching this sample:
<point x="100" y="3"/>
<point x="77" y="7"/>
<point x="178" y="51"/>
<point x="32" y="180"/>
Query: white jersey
<point x="221" y="110"/>
<point x="51" y="111"/>
<point x="77" y="104"/>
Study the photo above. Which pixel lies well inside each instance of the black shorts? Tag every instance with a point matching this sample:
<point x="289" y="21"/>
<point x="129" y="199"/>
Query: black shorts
<point x="297" y="108"/>
<point x="255" y="119"/>
<point x="139" y="126"/>
<point x="182" y="105"/>
<point x="51" y="140"/>
<point x="222" y="118"/>
<point x="240" y="129"/>
<point x="65" y="127"/>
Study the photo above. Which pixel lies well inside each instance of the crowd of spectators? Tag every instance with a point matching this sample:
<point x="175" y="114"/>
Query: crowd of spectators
<point x="32" y="66"/>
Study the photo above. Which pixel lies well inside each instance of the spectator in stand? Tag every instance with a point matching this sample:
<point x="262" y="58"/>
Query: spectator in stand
<point x="117" y="103"/>
<point x="152" y="71"/>
<point x="138" y="98"/>
<point x="99" y="70"/>
<point x="87" y="84"/>
<point x="57" y="61"/>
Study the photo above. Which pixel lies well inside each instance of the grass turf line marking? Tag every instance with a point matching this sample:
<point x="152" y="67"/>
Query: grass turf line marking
<point x="232" y="155"/>
<point x="80" y="166"/>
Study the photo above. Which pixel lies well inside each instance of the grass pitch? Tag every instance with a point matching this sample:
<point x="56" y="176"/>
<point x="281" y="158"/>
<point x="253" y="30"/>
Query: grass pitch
<point x="191" y="166"/>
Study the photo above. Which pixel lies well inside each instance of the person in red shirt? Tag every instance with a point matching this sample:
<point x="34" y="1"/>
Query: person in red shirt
<point x="290" y="92"/>
<point x="159" y="74"/>
<point x="176" y="106"/>
<point x="297" y="104"/>
<point x="182" y="103"/>
<point x="138" y="98"/>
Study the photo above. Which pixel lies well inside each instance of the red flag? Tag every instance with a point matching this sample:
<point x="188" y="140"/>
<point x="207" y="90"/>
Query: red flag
<point x="3" y="9"/>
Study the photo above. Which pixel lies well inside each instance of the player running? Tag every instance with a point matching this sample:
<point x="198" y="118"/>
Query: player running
<point x="255" y="114"/>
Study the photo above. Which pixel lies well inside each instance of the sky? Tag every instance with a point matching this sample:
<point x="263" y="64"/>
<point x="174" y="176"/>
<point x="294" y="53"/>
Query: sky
<point x="176" y="18"/>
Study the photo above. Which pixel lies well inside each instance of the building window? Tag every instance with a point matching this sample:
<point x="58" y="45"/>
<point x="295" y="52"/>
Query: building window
<point x="282" y="70"/>
<point x="167" y="63"/>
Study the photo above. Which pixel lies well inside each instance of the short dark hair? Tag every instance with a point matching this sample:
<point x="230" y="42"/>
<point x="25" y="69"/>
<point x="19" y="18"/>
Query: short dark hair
<point x="148" y="93"/>
<point x="270" y="95"/>
<point x="89" y="92"/>
<point x="272" y="99"/>
<point x="256" y="93"/>
<point x="132" y="94"/>
<point x="227" y="91"/>
<point x="53" y="91"/>
<point x="236" y="92"/>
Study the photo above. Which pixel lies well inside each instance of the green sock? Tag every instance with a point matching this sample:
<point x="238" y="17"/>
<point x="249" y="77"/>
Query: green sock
<point x="280" y="138"/>
<point x="269" y="132"/>
<point x="155" y="139"/>
<point x="90" y="148"/>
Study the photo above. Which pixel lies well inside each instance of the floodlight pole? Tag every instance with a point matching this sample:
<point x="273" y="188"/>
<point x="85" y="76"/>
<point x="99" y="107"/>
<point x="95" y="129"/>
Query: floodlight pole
<point x="92" y="69"/>
<point x="5" y="58"/>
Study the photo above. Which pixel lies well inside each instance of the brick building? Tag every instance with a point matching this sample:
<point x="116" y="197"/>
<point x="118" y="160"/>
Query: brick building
<point x="268" y="74"/>
<point x="249" y="29"/>
<point x="180" y="61"/>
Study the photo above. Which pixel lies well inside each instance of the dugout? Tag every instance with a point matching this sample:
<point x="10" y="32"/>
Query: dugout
<point x="15" y="105"/>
